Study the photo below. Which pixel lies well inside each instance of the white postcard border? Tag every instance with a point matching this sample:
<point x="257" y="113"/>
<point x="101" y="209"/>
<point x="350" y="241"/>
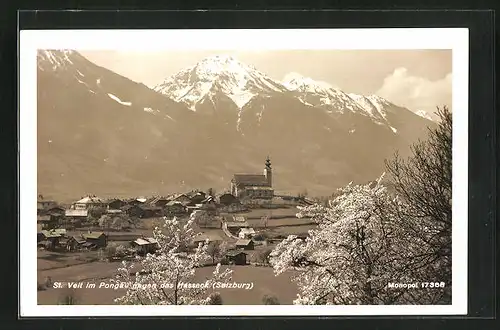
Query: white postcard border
<point x="455" y="39"/>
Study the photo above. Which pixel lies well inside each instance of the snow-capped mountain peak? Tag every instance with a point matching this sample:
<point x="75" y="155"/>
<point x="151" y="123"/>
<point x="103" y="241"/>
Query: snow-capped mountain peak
<point x="424" y="114"/>
<point x="295" y="81"/>
<point x="55" y="59"/>
<point x="218" y="74"/>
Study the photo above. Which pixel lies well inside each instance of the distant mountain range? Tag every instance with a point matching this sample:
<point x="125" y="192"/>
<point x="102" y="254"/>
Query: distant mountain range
<point x="101" y="133"/>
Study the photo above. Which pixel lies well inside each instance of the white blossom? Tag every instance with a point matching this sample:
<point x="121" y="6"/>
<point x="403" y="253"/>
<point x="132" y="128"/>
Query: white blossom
<point x="359" y="247"/>
<point x="159" y="277"/>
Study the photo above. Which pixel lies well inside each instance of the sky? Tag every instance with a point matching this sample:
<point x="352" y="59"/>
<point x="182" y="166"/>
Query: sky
<point x="416" y="79"/>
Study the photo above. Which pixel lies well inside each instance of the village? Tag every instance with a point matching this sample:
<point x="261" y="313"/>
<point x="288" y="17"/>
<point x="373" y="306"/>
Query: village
<point x="240" y="225"/>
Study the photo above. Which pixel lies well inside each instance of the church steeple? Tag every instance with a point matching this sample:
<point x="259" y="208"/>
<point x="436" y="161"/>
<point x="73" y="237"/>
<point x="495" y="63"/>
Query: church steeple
<point x="268" y="173"/>
<point x="268" y="163"/>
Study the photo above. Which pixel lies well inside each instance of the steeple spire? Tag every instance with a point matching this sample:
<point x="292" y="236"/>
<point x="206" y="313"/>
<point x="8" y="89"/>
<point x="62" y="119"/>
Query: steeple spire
<point x="268" y="163"/>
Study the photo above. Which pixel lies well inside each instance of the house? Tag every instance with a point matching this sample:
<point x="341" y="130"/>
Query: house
<point x="246" y="233"/>
<point x="133" y="210"/>
<point x="159" y="201"/>
<point x="56" y="211"/>
<point x="175" y="208"/>
<point x="235" y="257"/>
<point x="239" y="218"/>
<point x="245" y="244"/>
<point x="97" y="238"/>
<point x="258" y="186"/>
<point x="182" y="198"/>
<point x="76" y="217"/>
<point x="47" y="221"/>
<point x="88" y="202"/>
<point x="151" y="211"/>
<point x="75" y="243"/>
<point x="44" y="204"/>
<point x="227" y="199"/>
<point x="50" y="238"/>
<point x="237" y="225"/>
<point x="115" y="203"/>
<point x="113" y="212"/>
<point x="209" y="205"/>
<point x="144" y="245"/>
<point x="204" y="237"/>
<point x="135" y="201"/>
<point x="190" y="209"/>
<point x="196" y="197"/>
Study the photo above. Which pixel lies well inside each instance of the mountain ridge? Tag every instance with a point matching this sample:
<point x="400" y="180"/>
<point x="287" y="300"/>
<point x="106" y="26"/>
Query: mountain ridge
<point x="110" y="135"/>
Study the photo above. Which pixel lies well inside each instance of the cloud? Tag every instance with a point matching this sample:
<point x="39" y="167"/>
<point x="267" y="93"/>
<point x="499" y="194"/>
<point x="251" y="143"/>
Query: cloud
<point x="416" y="93"/>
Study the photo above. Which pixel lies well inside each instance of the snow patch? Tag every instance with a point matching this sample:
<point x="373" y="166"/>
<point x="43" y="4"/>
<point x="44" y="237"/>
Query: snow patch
<point x="394" y="129"/>
<point x="424" y="114"/>
<point x="118" y="100"/>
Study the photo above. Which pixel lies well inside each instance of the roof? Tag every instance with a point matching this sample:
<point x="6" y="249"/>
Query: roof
<point x="250" y="179"/>
<point x="95" y="234"/>
<point x="76" y="213"/>
<point x="150" y="208"/>
<point x="157" y="199"/>
<point x="225" y="194"/>
<point x="179" y="195"/>
<point x="239" y="218"/>
<point x="51" y="233"/>
<point x="212" y="237"/>
<point x="172" y="203"/>
<point x="111" y="211"/>
<point x="55" y="207"/>
<point x="90" y="200"/>
<point x="111" y="200"/>
<point x="145" y="241"/>
<point x="43" y="218"/>
<point x="141" y="199"/>
<point x="77" y="239"/>
<point x="61" y="231"/>
<point x="247" y="231"/>
<point x="195" y="193"/>
<point x="233" y="253"/>
<point x="259" y="188"/>
<point x="238" y="224"/>
<point x="243" y="242"/>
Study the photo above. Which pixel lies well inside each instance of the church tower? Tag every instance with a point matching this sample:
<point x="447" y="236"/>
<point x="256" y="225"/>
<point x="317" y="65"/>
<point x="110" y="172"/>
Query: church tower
<point x="268" y="173"/>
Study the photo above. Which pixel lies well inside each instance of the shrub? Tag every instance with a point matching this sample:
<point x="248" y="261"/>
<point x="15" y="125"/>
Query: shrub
<point x="270" y="300"/>
<point x="215" y="299"/>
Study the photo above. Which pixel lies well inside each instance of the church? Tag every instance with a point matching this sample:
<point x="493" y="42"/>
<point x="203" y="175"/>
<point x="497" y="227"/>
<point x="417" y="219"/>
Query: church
<point x="255" y="186"/>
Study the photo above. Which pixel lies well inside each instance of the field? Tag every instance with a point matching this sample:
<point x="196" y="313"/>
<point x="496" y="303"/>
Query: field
<point x="263" y="279"/>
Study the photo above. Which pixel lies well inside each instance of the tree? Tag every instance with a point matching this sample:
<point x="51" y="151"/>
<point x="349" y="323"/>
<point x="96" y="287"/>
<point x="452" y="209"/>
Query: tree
<point x="264" y="219"/>
<point x="164" y="278"/>
<point x="270" y="300"/>
<point x="216" y="250"/>
<point x="263" y="255"/>
<point x="424" y="182"/>
<point x="201" y="218"/>
<point x="369" y="236"/>
<point x="355" y="252"/>
<point x="105" y="222"/>
<point x="215" y="299"/>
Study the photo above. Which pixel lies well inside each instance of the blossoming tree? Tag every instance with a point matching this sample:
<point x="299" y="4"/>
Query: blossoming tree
<point x="168" y="276"/>
<point x="356" y="251"/>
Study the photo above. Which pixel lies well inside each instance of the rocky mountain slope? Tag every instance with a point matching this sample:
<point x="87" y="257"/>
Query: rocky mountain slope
<point x="101" y="133"/>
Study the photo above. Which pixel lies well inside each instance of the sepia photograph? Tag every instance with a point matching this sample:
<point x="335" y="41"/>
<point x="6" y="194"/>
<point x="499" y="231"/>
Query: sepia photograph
<point x="318" y="171"/>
